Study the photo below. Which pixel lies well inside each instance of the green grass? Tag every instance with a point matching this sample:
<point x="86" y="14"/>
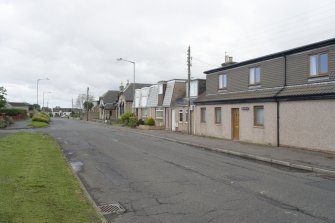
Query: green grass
<point x="38" y="124"/>
<point x="36" y="185"/>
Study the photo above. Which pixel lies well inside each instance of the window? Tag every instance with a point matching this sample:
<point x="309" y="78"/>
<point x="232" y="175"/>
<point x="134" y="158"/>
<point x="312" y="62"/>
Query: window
<point x="203" y="115"/>
<point x="259" y="115"/>
<point x="318" y="64"/>
<point x="254" y="76"/>
<point x="218" y="115"/>
<point x="222" y="81"/>
<point x="160" y="89"/>
<point x="159" y="113"/>
<point x="145" y="112"/>
<point x="180" y="115"/>
<point x="186" y="115"/>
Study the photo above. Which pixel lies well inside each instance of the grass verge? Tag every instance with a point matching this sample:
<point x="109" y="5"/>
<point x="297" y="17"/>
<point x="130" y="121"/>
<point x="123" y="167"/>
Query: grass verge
<point x="38" y="124"/>
<point x="36" y="185"/>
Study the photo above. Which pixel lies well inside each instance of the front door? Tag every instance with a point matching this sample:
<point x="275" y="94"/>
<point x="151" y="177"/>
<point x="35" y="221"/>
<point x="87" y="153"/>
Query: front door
<point x="235" y="114"/>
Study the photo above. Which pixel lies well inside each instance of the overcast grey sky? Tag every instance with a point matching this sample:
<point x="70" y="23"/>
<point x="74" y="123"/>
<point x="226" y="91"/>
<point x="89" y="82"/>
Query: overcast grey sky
<point x="75" y="43"/>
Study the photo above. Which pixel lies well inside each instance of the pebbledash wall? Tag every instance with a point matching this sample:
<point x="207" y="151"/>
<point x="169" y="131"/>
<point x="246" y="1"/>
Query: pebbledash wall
<point x="248" y="132"/>
<point x="306" y="104"/>
<point x="308" y="124"/>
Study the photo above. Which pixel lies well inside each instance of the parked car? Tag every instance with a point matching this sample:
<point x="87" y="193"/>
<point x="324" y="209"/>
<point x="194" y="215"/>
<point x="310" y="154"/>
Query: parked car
<point x="65" y="116"/>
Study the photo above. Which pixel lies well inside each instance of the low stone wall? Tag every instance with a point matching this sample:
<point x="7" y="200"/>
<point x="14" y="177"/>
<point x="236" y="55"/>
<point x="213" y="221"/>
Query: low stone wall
<point x="150" y="127"/>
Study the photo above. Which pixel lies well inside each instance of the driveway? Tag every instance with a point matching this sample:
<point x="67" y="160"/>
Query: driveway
<point x="162" y="181"/>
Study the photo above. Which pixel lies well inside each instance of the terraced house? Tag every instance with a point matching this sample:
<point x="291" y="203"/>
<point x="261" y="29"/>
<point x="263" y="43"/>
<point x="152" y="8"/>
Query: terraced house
<point x="286" y="98"/>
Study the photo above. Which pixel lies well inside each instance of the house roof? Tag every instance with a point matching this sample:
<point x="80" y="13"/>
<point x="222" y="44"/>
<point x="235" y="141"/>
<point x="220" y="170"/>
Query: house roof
<point x="242" y="95"/>
<point x="306" y="90"/>
<point x="128" y="91"/>
<point x="322" y="88"/>
<point x="184" y="101"/>
<point x="170" y="91"/>
<point x="275" y="55"/>
<point x="110" y="106"/>
<point x="19" y="104"/>
<point x="168" y="94"/>
<point x="110" y="96"/>
<point x="153" y="96"/>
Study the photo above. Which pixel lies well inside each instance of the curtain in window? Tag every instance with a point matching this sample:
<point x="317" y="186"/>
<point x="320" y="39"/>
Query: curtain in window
<point x="313" y="65"/>
<point x="252" y="76"/>
<point x="260" y="116"/>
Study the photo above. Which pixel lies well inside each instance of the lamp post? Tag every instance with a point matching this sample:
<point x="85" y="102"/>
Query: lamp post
<point x="121" y="59"/>
<point x="48" y="92"/>
<point x="38" y="80"/>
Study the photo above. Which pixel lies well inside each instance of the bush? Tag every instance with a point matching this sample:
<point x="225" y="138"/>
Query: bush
<point x="51" y="115"/>
<point x="140" y="122"/>
<point x="41" y="117"/>
<point x="9" y="120"/>
<point x="13" y="111"/>
<point x="126" y="116"/>
<point x="150" y="121"/>
<point x="132" y="122"/>
<point x="3" y="124"/>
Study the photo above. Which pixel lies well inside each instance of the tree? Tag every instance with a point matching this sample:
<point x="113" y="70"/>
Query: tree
<point x="81" y="99"/>
<point x="88" y="105"/>
<point x="3" y="100"/>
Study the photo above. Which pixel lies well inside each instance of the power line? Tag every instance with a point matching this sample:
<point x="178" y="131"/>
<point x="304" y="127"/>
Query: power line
<point x="201" y="61"/>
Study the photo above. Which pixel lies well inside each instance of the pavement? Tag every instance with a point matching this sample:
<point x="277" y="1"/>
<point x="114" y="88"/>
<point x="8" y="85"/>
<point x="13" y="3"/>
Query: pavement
<point x="23" y="124"/>
<point x="315" y="161"/>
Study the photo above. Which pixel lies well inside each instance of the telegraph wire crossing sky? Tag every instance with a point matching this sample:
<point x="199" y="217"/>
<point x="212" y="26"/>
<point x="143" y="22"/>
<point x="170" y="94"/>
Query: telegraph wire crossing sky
<point x="75" y="44"/>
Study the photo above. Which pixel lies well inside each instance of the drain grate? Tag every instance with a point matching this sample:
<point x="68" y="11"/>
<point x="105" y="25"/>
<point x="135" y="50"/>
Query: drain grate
<point x="113" y="208"/>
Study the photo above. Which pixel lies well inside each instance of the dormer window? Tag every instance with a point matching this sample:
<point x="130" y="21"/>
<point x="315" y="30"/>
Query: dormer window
<point x="318" y="65"/>
<point x="222" y="81"/>
<point x="254" y="76"/>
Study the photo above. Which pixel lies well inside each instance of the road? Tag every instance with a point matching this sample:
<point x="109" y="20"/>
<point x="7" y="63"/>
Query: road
<point x="160" y="181"/>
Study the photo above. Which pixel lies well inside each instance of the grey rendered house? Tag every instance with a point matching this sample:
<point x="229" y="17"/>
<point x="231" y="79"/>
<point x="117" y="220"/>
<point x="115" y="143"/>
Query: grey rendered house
<point x="197" y="87"/>
<point x="108" y="105"/>
<point x="126" y="98"/>
<point x="286" y="98"/>
<point x="175" y="89"/>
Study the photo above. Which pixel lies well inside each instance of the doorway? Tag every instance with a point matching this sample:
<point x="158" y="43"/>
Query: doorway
<point x="235" y="114"/>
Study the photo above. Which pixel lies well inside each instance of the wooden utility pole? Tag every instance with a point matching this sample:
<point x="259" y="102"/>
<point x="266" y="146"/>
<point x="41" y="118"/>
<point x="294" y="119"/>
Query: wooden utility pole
<point x="189" y="130"/>
<point x="87" y="103"/>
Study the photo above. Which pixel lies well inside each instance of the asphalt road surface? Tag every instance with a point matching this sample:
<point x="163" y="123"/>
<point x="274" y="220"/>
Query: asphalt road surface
<point x="160" y="181"/>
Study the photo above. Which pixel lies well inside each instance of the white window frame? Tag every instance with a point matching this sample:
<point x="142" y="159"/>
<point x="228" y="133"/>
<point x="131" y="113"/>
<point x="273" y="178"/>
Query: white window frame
<point x="257" y="122"/>
<point x="222" y="81"/>
<point x="253" y="76"/>
<point x="160" y="111"/>
<point x="318" y="72"/>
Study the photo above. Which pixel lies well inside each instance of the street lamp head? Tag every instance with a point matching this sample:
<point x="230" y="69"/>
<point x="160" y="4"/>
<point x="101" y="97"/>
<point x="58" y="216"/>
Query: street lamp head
<point x="119" y="59"/>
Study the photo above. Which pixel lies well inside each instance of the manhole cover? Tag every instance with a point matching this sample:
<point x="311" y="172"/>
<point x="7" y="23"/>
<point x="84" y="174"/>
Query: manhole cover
<point x="114" y="208"/>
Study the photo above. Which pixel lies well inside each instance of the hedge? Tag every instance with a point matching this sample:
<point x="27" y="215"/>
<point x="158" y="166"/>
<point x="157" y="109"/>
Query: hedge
<point x="13" y="111"/>
<point x="41" y="117"/>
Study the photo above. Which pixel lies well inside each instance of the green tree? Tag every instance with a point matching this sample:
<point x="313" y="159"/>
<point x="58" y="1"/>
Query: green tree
<point x="3" y="93"/>
<point x="88" y="105"/>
